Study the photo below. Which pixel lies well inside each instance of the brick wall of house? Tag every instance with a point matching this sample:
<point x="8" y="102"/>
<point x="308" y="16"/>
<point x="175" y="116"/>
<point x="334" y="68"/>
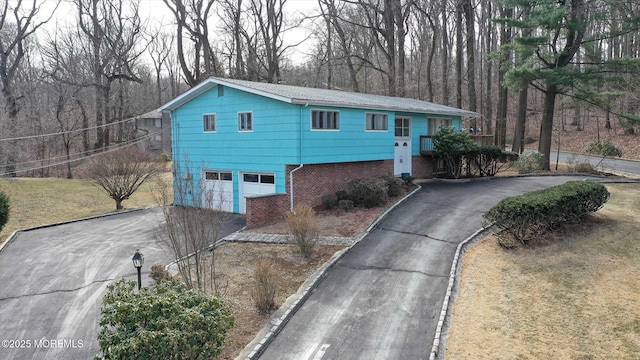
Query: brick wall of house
<point x="422" y="167"/>
<point x="313" y="181"/>
<point x="267" y="209"/>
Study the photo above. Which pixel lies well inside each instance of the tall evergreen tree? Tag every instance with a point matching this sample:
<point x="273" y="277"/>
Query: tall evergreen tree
<point x="551" y="33"/>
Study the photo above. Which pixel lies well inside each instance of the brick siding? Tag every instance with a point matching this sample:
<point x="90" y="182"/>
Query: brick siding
<point x="313" y="181"/>
<point x="266" y="209"/>
<point x="422" y="167"/>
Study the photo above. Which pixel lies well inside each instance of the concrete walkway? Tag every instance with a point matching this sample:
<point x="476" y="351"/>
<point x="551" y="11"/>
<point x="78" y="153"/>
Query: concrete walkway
<point x="247" y="236"/>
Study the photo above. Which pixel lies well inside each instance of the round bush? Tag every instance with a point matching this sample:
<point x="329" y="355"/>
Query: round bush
<point x="529" y="162"/>
<point x="369" y="192"/>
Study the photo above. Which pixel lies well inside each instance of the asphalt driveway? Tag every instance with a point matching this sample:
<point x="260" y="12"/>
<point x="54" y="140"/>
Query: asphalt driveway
<point x="383" y="299"/>
<point x="53" y="280"/>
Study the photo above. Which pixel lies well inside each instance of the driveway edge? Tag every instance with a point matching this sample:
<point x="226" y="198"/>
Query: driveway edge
<point x="435" y="348"/>
<point x="281" y="317"/>
<point x="14" y="234"/>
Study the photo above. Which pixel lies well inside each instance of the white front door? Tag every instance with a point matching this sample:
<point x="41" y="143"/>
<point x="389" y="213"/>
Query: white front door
<point x="255" y="184"/>
<point x="402" y="146"/>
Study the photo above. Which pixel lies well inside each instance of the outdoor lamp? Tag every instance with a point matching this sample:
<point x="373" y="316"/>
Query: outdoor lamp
<point x="138" y="260"/>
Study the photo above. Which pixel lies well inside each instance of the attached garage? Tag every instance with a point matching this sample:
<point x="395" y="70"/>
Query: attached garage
<point x="218" y="190"/>
<point x="255" y="184"/>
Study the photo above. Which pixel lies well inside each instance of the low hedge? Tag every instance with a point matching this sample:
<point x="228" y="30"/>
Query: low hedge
<point x="528" y="215"/>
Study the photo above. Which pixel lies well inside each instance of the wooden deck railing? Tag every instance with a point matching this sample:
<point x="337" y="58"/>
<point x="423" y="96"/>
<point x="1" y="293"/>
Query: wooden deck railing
<point x="426" y="142"/>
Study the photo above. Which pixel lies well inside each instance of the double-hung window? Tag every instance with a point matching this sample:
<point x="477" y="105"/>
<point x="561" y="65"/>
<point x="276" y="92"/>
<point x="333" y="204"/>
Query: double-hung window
<point x="209" y="122"/>
<point x="376" y="122"/>
<point x="325" y="120"/>
<point x="245" y="121"/>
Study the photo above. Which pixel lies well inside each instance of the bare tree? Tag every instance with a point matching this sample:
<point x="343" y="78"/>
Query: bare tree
<point x="191" y="227"/>
<point x="192" y="22"/>
<point x="120" y="173"/>
<point x="113" y="32"/>
<point x="17" y="24"/>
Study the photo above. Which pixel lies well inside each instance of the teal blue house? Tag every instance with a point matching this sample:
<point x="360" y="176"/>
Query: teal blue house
<point x="264" y="147"/>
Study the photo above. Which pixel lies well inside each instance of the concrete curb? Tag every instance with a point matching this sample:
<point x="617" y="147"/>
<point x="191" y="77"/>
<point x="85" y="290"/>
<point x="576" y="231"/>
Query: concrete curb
<point x="14" y="235"/>
<point x="435" y="348"/>
<point x="281" y="317"/>
<point x="456" y="266"/>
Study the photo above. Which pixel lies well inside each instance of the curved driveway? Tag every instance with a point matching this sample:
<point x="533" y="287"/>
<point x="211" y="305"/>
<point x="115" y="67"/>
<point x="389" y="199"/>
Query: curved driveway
<point x="53" y="280"/>
<point x="383" y="299"/>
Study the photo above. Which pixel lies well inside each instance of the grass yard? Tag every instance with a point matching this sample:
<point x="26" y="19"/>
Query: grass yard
<point x="42" y="201"/>
<point x="573" y="295"/>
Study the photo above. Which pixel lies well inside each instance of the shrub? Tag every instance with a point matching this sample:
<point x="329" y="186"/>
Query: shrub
<point x="369" y="192"/>
<point x="582" y="167"/>
<point x="451" y="145"/>
<point x="164" y="322"/>
<point x="394" y="185"/>
<point x="345" y="205"/>
<point x="529" y="162"/>
<point x="164" y="157"/>
<point x="342" y="195"/>
<point x="303" y="227"/>
<point x="528" y="215"/>
<point x="487" y="160"/>
<point x="158" y="274"/>
<point x="264" y="286"/>
<point x="605" y="149"/>
<point x="330" y="201"/>
<point x="4" y="209"/>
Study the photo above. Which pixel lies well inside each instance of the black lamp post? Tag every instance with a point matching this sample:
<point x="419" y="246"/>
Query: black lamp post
<point x="138" y="260"/>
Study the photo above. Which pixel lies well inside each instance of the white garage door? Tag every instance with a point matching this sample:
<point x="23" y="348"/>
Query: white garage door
<point x="217" y="191"/>
<point x="255" y="184"/>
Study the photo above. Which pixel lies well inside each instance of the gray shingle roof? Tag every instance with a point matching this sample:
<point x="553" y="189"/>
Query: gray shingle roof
<point x="322" y="97"/>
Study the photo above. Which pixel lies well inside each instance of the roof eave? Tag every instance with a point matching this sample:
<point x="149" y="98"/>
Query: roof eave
<point x="453" y="112"/>
<point x="188" y="95"/>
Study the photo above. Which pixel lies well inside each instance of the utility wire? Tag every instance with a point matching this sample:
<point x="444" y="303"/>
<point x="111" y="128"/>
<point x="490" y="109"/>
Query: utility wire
<point x="108" y="150"/>
<point x="67" y="132"/>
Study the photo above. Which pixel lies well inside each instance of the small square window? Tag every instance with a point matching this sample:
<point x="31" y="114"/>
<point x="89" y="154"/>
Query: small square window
<point x="245" y="121"/>
<point x="209" y="122"/>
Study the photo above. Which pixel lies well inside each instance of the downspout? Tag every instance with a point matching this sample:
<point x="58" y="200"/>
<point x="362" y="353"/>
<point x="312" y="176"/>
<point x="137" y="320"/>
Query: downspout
<point x="291" y="184"/>
<point x="299" y="161"/>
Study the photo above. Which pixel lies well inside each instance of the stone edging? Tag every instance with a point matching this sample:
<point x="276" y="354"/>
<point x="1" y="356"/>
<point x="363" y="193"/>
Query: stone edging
<point x="280" y="318"/>
<point x="435" y="348"/>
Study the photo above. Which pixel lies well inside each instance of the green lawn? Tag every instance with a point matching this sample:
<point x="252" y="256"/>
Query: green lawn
<point x="42" y="201"/>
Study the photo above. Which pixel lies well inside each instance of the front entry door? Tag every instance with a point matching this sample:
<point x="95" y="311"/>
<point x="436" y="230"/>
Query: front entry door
<point x="402" y="146"/>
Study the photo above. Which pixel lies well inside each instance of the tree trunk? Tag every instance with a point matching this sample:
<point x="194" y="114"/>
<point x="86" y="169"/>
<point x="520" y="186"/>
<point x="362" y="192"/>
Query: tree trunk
<point x="518" y="136"/>
<point x="471" y="52"/>
<point x="546" y="126"/>
<point x="501" y="116"/>
<point x="459" y="55"/>
<point x="445" y="55"/>
<point x="401" y="37"/>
